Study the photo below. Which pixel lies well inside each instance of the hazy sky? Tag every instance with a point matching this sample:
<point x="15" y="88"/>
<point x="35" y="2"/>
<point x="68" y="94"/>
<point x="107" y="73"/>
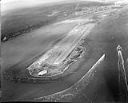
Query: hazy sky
<point x="7" y="5"/>
<point x="13" y="4"/>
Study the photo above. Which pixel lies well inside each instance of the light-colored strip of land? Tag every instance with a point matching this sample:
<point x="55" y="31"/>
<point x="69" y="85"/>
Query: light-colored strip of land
<point x="62" y="49"/>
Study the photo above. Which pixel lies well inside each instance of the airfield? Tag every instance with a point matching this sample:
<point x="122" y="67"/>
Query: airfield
<point x="92" y="76"/>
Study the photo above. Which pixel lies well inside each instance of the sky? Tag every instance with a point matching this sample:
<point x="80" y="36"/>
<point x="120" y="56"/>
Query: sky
<point x="7" y="5"/>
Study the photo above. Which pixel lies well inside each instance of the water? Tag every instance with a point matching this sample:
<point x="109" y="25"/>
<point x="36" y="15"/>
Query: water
<point x="103" y="39"/>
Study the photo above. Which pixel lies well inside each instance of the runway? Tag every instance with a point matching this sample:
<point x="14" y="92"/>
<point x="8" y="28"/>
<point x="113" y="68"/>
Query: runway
<point x="60" y="52"/>
<point x="103" y="39"/>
